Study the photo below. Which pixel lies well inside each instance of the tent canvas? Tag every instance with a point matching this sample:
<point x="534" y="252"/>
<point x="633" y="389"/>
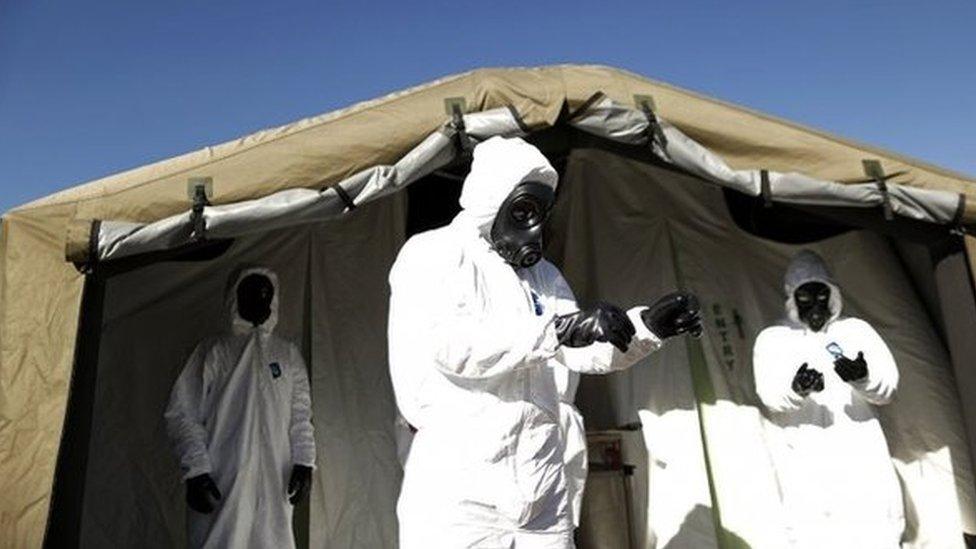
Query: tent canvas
<point x="336" y="260"/>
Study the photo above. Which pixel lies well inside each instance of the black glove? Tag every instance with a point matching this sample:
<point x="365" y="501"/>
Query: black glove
<point x="603" y="322"/>
<point x="674" y="314"/>
<point x="851" y="370"/>
<point x="807" y="380"/>
<point x="299" y="483"/>
<point x="202" y="494"/>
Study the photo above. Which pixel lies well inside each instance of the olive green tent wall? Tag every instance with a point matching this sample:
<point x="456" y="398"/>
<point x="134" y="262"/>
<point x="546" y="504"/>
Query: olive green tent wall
<point x="40" y="291"/>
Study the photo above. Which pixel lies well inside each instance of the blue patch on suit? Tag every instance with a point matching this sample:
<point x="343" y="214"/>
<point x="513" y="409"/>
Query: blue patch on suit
<point x="275" y="370"/>
<point x="537" y="303"/>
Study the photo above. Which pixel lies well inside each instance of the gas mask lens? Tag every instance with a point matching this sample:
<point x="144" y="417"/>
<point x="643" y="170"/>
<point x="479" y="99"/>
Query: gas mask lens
<point x="516" y="233"/>
<point x="526" y="211"/>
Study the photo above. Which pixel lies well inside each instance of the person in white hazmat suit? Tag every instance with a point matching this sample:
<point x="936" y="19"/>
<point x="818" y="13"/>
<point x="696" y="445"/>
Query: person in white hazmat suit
<point x="819" y="375"/>
<point x="477" y="318"/>
<point x="573" y="431"/>
<point x="240" y="421"/>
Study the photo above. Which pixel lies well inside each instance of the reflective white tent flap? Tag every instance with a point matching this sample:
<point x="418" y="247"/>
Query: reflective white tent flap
<point x="601" y="116"/>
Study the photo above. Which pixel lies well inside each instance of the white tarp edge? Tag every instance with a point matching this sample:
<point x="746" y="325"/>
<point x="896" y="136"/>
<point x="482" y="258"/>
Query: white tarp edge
<point x="603" y="118"/>
<point x="299" y="206"/>
<point x="611" y="120"/>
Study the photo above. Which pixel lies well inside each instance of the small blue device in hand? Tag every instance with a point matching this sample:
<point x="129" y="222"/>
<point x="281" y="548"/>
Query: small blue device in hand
<point x="835" y="350"/>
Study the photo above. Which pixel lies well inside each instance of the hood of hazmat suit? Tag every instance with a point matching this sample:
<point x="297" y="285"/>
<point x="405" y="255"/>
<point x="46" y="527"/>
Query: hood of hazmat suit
<point x="240" y="411"/>
<point x="472" y="343"/>
<point x="838" y="484"/>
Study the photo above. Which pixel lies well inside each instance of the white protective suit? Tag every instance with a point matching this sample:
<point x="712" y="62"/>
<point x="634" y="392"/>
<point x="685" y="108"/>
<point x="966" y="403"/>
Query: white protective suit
<point x="837" y="481"/>
<point x="471" y="340"/>
<point x="241" y="412"/>
<point x="403" y="436"/>
<point x="574" y="438"/>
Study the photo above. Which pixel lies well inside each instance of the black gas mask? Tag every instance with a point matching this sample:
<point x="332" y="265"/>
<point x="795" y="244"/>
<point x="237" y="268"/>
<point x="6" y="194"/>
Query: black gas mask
<point x="813" y="304"/>
<point x="516" y="233"/>
<point x="254" y="295"/>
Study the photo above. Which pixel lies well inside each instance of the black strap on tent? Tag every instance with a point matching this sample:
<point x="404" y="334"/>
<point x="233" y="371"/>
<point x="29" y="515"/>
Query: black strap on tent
<point x="344" y="196"/>
<point x="957" y="223"/>
<point x="197" y="187"/>
<point x="462" y="141"/>
<point x="873" y="169"/>
<point x="91" y="257"/>
<point x="765" y="189"/>
<point x="518" y="119"/>
<point x="655" y="134"/>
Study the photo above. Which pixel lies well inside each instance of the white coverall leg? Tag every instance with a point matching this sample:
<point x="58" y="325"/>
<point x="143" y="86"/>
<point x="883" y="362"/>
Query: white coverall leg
<point x="573" y="431"/>
<point x="241" y="412"/>
<point x="471" y="340"/>
<point x="838" y="484"/>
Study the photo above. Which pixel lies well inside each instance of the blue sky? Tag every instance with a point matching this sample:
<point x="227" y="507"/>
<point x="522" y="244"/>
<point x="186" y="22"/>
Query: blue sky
<point x="92" y="88"/>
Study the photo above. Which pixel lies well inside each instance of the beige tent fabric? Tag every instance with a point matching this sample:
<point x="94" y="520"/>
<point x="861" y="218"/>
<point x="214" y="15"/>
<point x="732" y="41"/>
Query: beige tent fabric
<point x="318" y="151"/>
<point x="39" y="304"/>
<point x="39" y="308"/>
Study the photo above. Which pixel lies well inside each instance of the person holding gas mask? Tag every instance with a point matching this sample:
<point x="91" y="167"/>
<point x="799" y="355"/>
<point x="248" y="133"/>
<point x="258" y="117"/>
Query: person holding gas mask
<point x="819" y="375"/>
<point x="477" y="319"/>
<point x="240" y="421"/>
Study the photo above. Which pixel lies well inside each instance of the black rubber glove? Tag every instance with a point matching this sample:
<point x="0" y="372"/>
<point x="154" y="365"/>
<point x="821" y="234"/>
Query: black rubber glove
<point x="602" y="322"/>
<point x="674" y="314"/>
<point x="299" y="483"/>
<point x="851" y="370"/>
<point x="202" y="494"/>
<point x="807" y="380"/>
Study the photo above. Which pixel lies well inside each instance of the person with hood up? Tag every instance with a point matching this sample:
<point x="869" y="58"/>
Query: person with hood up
<point x="240" y="420"/>
<point x="477" y="318"/>
<point x="819" y="376"/>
